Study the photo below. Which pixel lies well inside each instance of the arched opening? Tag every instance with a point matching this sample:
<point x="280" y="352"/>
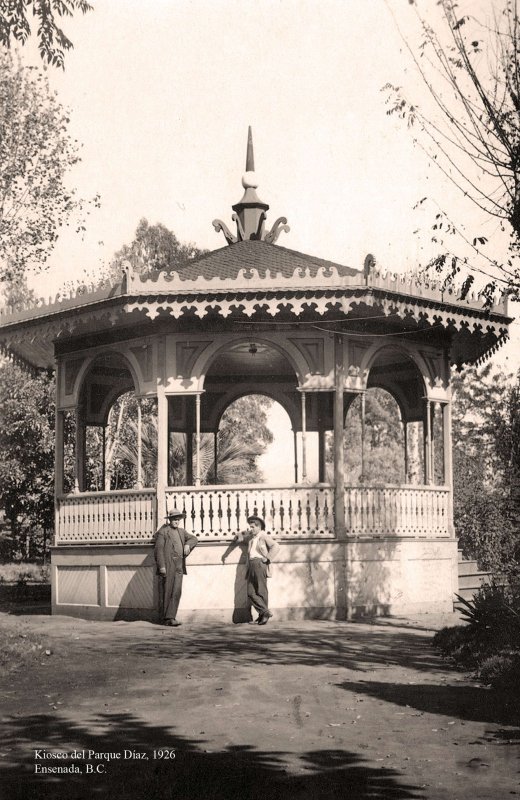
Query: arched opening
<point x="122" y="454"/>
<point x="217" y="436"/>
<point x="374" y="440"/>
<point x="395" y="414"/>
<point x="230" y="454"/>
<point x="116" y="431"/>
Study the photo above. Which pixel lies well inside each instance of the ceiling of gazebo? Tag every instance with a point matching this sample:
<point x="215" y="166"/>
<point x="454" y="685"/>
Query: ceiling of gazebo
<point x="249" y="359"/>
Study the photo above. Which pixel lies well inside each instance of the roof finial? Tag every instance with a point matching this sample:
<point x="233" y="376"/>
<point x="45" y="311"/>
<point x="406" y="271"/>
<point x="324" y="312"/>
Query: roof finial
<point x="250" y="157"/>
<point x="250" y="212"/>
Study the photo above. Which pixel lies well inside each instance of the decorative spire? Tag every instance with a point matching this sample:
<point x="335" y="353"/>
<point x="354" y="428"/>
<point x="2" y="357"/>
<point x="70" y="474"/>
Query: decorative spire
<point x="250" y="156"/>
<point x="250" y="212"/>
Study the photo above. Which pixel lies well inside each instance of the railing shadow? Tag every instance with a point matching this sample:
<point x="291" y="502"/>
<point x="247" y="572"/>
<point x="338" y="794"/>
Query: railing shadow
<point x="234" y="773"/>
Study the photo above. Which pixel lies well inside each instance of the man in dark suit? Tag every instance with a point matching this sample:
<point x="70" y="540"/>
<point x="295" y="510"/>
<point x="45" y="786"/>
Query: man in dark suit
<point x="172" y="545"/>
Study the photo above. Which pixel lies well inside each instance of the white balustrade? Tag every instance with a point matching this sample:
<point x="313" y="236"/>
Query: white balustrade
<point x="416" y="511"/>
<point x="95" y="517"/>
<point x="218" y="512"/>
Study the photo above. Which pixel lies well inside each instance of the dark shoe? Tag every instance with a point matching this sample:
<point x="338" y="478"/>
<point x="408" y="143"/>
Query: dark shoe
<point x="264" y="618"/>
<point x="172" y="623"/>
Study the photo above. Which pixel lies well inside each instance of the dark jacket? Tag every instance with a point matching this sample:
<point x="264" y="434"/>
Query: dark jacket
<point x="169" y="545"/>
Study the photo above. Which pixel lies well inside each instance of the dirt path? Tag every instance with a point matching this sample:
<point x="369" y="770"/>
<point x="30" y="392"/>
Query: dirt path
<point x="309" y="710"/>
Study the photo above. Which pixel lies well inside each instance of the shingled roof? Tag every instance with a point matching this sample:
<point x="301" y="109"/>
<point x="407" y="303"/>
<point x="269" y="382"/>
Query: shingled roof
<point x="226" y="262"/>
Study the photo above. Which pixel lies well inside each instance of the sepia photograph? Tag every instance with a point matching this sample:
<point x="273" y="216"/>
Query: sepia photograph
<point x="260" y="399"/>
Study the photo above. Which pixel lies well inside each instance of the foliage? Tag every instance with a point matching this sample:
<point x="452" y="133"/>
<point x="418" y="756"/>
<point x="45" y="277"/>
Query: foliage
<point x="244" y="421"/>
<point x="242" y="437"/>
<point x="36" y="153"/>
<point x="153" y="248"/>
<point x="121" y="452"/>
<point x="22" y="573"/>
<point x="494" y="615"/>
<point x="27" y="446"/>
<point x="469" y="124"/>
<point x="486" y="427"/>
<point x="501" y="670"/>
<point x="15" y="25"/>
<point x="379" y="459"/>
<point x="489" y="642"/>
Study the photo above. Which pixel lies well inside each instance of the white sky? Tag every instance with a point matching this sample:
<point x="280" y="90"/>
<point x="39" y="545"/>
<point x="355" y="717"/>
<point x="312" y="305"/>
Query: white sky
<point x="161" y="93"/>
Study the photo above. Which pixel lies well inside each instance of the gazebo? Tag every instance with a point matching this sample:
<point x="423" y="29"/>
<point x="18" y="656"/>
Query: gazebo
<point x="255" y="317"/>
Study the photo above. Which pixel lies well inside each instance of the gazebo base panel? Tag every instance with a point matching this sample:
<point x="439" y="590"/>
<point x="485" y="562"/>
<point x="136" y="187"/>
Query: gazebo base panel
<point x="312" y="579"/>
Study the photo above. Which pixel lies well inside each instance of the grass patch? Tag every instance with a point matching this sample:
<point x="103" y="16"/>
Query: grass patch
<point x="22" y="573"/>
<point x="18" y="649"/>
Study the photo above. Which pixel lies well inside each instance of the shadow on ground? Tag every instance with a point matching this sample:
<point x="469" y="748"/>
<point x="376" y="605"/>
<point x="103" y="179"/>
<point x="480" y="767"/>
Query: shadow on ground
<point x="336" y="645"/>
<point x="195" y="774"/>
<point x="474" y="703"/>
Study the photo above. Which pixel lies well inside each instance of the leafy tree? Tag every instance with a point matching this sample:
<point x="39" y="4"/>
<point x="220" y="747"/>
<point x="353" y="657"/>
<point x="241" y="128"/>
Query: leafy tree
<point x="154" y="248"/>
<point x="471" y="127"/>
<point x="27" y="446"/>
<point x="36" y="153"/>
<point x="380" y="458"/>
<point x="486" y="441"/>
<point x="15" y="25"/>
<point x="121" y="451"/>
<point x="244" y="423"/>
<point x="241" y="439"/>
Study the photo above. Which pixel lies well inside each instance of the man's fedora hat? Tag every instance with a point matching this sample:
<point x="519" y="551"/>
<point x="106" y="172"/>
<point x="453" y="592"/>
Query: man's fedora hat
<point x="254" y="518"/>
<point x="174" y="514"/>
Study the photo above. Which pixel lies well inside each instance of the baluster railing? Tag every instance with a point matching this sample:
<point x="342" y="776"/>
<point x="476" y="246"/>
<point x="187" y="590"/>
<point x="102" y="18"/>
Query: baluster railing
<point x="289" y="512"/>
<point x="218" y="512"/>
<point x="417" y="511"/>
<point x="91" y="517"/>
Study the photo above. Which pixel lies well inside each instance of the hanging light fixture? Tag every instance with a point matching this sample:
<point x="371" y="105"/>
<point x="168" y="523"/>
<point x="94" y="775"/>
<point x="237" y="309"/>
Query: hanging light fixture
<point x="253" y="349"/>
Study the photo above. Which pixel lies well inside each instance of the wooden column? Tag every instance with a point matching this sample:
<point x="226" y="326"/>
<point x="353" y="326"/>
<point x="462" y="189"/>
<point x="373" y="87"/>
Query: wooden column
<point x="104" y="455"/>
<point x="58" y="469"/>
<point x="295" y="440"/>
<point x="448" y="459"/>
<point x="363" y="409"/>
<point x="162" y="450"/>
<point x="139" y="444"/>
<point x="197" y="439"/>
<point x="339" y="466"/>
<point x="79" y="453"/>
<point x="322" y="456"/>
<point x="432" y="440"/>
<point x="58" y="452"/>
<point x="304" y="438"/>
<point x="405" y="442"/>
<point x="190" y="416"/>
<point x="427" y="443"/>
<point x="107" y="475"/>
<point x="215" y="455"/>
<point x="341" y="561"/>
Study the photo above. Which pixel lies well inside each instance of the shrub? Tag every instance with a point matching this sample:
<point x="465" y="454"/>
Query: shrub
<point x="23" y="573"/>
<point x="489" y="642"/>
<point x="501" y="670"/>
<point x="494" y="615"/>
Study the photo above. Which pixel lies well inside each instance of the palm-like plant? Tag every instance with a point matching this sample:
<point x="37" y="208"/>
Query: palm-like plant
<point x="236" y="459"/>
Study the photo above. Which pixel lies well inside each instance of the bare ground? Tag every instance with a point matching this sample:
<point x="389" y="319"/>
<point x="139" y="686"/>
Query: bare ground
<point x="310" y="710"/>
